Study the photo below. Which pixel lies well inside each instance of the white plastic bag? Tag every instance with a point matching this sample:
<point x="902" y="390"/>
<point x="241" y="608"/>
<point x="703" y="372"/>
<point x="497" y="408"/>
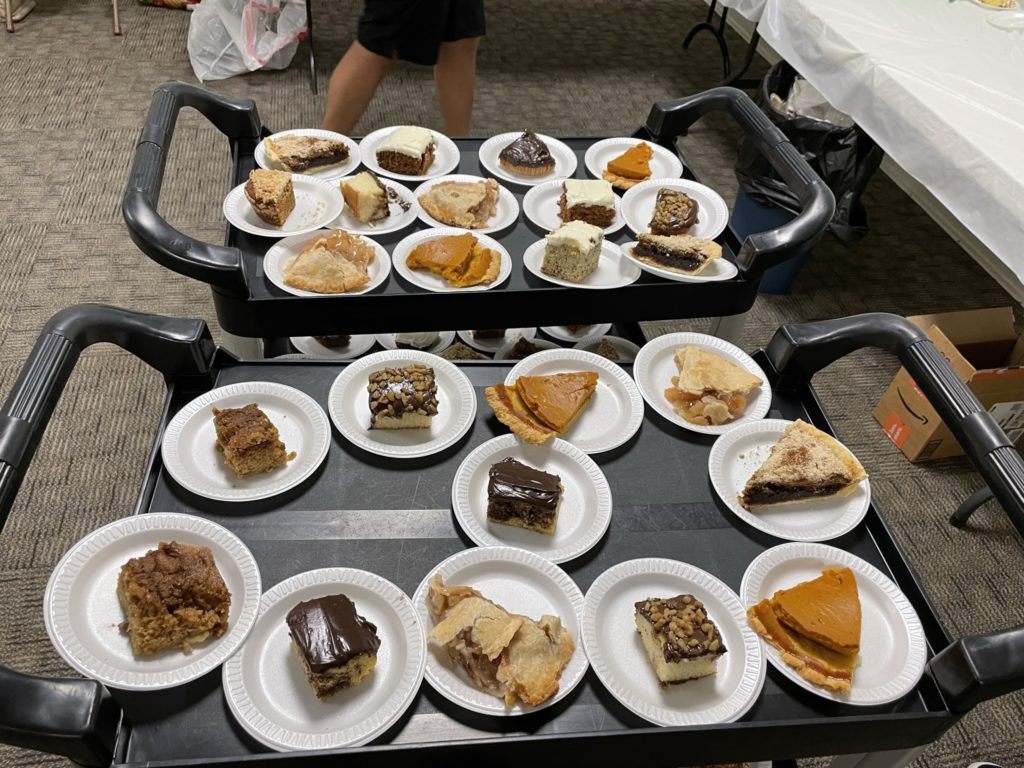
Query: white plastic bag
<point x="231" y="37"/>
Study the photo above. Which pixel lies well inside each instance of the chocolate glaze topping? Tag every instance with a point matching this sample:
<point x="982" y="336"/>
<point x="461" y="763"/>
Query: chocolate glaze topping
<point x="330" y="633"/>
<point x="674" y="212"/>
<point x="510" y="479"/>
<point x="527" y="151"/>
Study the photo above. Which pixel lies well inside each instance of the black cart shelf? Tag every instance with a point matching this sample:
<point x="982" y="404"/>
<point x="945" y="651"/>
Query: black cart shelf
<point x="248" y="305"/>
<point x="664" y="507"/>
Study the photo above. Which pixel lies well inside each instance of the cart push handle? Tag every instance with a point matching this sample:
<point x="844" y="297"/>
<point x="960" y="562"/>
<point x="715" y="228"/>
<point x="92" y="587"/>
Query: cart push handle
<point x="761" y="250"/>
<point x="73" y="717"/>
<point x="978" y="667"/>
<point x="217" y="265"/>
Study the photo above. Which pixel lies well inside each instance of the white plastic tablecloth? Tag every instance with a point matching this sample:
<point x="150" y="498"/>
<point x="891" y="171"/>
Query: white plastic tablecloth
<point x="939" y="89"/>
<point x="748" y="9"/>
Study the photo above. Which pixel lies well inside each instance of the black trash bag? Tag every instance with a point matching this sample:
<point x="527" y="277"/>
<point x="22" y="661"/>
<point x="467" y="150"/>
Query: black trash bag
<point x="844" y="158"/>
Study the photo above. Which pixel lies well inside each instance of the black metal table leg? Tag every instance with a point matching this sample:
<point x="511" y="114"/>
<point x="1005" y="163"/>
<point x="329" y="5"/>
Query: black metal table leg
<point x="716" y="33"/>
<point x="969" y="507"/>
<point x="737" y="80"/>
<point x="312" y="50"/>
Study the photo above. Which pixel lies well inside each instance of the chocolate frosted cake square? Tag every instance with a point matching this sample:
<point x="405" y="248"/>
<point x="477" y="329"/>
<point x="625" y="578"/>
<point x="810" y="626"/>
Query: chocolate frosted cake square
<point x="337" y="646"/>
<point x="524" y="497"/>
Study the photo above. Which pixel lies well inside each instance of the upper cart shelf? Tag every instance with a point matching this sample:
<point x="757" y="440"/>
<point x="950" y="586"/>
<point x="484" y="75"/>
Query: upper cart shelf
<point x="247" y="304"/>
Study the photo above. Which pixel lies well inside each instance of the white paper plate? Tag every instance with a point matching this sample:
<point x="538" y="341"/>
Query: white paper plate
<point x="613" y="271"/>
<point x="283" y="251"/>
<point x="618" y="656"/>
<point x="1008" y="22"/>
<point x="712" y="212"/>
<point x="357" y="345"/>
<point x="627" y="349"/>
<point x="82" y="612"/>
<point x="583" y="514"/>
<point x="740" y="451"/>
<point x="505" y="215"/>
<point x="520" y="582"/>
<point x="444" y="340"/>
<point x="189" y="446"/>
<point x="398" y="219"/>
<point x="350" y="411"/>
<point x="664" y="163"/>
<point x="719" y="269"/>
<point x="493" y="345"/>
<point x="564" y="157"/>
<point x="331" y="173"/>
<point x="446" y="155"/>
<point x="436" y="283"/>
<point x="267" y="690"/>
<point x="655" y="366"/>
<point x="540" y="204"/>
<point x="506" y="349"/>
<point x="562" y="332"/>
<point x="615" y="410"/>
<point x="317" y="204"/>
<point x="892" y="644"/>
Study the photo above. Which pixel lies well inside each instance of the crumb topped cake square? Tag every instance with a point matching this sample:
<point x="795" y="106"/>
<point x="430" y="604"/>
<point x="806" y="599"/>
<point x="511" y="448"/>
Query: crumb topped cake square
<point x="681" y="641"/>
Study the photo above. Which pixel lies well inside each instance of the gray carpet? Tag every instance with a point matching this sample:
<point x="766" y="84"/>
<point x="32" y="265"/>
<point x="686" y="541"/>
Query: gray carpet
<point x="72" y="100"/>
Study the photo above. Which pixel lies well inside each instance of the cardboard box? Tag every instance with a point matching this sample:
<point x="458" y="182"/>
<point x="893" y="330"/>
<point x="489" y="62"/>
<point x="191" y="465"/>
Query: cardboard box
<point x="985" y="354"/>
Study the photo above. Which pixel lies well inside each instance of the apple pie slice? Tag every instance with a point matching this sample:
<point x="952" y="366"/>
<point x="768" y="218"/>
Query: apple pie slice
<point x="709" y="389"/>
<point x="504" y="654"/>
<point x="466" y="204"/>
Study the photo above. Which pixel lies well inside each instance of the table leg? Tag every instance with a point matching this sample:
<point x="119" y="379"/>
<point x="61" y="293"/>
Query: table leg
<point x="716" y="33"/>
<point x="117" y="19"/>
<point x="312" y="50"/>
<point x="892" y="759"/>
<point x="737" y="80"/>
<point x="9" y="15"/>
<point x="729" y="328"/>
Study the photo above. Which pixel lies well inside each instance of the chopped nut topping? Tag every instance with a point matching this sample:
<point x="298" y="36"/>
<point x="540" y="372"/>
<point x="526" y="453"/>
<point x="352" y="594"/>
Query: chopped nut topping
<point x="683" y="625"/>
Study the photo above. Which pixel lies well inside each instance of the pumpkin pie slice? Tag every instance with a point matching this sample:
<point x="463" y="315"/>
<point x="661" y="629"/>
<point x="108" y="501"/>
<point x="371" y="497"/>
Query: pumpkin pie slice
<point x="557" y="400"/>
<point x="448" y="257"/>
<point x="816" y="627"/>
<point x="631" y="167"/>
<point x="825" y="610"/>
<point x="511" y="411"/>
<point x="814" y="662"/>
<point x="805" y="464"/>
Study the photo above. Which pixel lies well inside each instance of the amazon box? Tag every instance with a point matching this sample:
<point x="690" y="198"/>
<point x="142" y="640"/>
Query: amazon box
<point x="985" y="353"/>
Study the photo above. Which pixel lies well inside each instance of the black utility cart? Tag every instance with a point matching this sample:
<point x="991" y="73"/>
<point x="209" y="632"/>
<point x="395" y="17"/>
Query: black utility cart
<point x="249" y="306"/>
<point x="657" y="513"/>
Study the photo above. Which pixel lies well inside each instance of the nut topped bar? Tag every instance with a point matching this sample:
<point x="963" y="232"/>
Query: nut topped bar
<point x="402" y="398"/>
<point x="680" y="639"/>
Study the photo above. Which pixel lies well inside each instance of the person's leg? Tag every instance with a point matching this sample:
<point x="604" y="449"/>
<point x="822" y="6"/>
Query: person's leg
<point x="352" y="85"/>
<point x="455" y="77"/>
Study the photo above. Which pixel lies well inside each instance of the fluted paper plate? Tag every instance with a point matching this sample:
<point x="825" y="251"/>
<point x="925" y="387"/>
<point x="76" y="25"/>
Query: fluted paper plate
<point x="350" y="411"/>
<point x="615" y="411"/>
<point x="521" y="582"/>
<point x="893" y="651"/>
<point x="561" y="153"/>
<point x="446" y="155"/>
<point x="266" y="687"/>
<point x="83" y="615"/>
<point x="712" y="212"/>
<point x="584" y="513"/>
<point x="738" y="453"/>
<point x="540" y="204"/>
<point x="283" y="251"/>
<point x="189" y="446"/>
<point x="664" y="162"/>
<point x="330" y="173"/>
<point x="655" y="366"/>
<point x="317" y="204"/>
<point x="505" y="215"/>
<point x="613" y="269"/>
<point x="620" y="661"/>
<point x="491" y="346"/>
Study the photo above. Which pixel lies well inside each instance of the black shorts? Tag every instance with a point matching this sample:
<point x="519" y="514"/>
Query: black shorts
<point x="413" y="30"/>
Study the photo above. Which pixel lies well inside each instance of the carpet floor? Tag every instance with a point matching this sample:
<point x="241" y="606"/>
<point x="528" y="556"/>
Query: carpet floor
<point x="72" y="101"/>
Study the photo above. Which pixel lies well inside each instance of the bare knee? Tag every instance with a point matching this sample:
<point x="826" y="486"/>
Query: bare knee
<point x="365" y="60"/>
<point x="460" y="49"/>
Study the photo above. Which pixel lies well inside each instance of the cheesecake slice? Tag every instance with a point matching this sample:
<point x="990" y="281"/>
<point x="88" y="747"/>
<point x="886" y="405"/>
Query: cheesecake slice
<point x="366" y="197"/>
<point x="804" y="464"/>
